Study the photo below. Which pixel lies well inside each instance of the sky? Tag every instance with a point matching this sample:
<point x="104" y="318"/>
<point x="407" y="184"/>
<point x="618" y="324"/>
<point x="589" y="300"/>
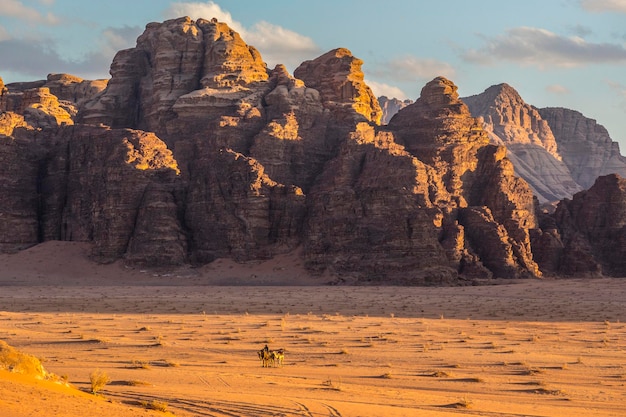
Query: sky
<point x="565" y="53"/>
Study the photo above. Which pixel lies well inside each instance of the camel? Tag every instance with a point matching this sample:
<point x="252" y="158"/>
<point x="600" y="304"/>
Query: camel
<point x="270" y="357"/>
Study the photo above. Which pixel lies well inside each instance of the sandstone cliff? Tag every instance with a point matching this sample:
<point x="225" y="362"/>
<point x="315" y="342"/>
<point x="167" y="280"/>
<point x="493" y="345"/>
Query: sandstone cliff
<point x="338" y="77"/>
<point x="474" y="177"/>
<point x="196" y="151"/>
<point x="586" y="236"/>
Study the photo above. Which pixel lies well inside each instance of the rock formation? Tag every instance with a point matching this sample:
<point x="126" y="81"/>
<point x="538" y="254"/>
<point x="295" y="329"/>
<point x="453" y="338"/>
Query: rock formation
<point x="391" y="106"/>
<point x="195" y="151"/>
<point x="532" y="147"/>
<point x="585" y="146"/>
<point x="587" y="236"/>
<point x="338" y="77"/>
<point x="69" y="89"/>
<point x="439" y="130"/>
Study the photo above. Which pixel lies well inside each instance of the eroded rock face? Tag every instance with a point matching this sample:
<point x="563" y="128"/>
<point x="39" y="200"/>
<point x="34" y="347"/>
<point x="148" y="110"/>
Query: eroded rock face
<point x="180" y="70"/>
<point x="393" y="201"/>
<point x="235" y="210"/>
<point x="511" y="119"/>
<point x="73" y="89"/>
<point x="370" y="212"/>
<point x="586" y="146"/>
<point x="531" y="144"/>
<point x="68" y="92"/>
<point x="195" y="151"/>
<point x="338" y="77"/>
<point x="93" y="186"/>
<point x="293" y="145"/>
<point x="37" y="107"/>
<point x="79" y="183"/>
<point x="593" y="229"/>
<point x="18" y="194"/>
<point x="439" y="130"/>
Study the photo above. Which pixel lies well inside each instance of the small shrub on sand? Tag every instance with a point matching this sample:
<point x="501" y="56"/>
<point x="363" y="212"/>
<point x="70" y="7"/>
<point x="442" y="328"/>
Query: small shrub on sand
<point x="155" y="405"/>
<point x="98" y="380"/>
<point x="137" y="383"/>
<point x="139" y="364"/>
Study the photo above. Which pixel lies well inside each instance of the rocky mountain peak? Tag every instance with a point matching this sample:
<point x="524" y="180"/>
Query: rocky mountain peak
<point x="532" y="146"/>
<point x="438" y="93"/>
<point x="503" y="92"/>
<point x="229" y="61"/>
<point x="585" y="145"/>
<point x="437" y="117"/>
<point x="177" y="66"/>
<point x="510" y="119"/>
<point x="338" y="77"/>
<point x="280" y="76"/>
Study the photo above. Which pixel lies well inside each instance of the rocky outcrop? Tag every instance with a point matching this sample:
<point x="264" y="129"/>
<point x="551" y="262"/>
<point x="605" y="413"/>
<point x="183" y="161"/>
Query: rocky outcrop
<point x="532" y="146"/>
<point x="391" y="106"/>
<point x="294" y="144"/>
<point x="512" y="120"/>
<point x="69" y="90"/>
<point x="432" y="163"/>
<point x="370" y="212"/>
<point x="182" y="76"/>
<point x="439" y="130"/>
<point x="45" y="103"/>
<point x="593" y="229"/>
<point x="18" y="193"/>
<point x="73" y="89"/>
<point x="195" y="151"/>
<point x="585" y="146"/>
<point x="93" y="186"/>
<point x="338" y="77"/>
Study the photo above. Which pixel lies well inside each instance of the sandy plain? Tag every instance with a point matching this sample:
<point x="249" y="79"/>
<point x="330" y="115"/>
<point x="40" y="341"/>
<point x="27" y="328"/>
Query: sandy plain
<point x="186" y="340"/>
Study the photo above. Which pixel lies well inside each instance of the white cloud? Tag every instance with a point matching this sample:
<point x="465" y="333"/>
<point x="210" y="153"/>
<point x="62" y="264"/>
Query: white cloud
<point x="197" y="10"/>
<point x="557" y="89"/>
<point x="280" y="46"/>
<point x="601" y="6"/>
<point x="16" y="9"/>
<point x="116" y="39"/>
<point x="544" y="49"/>
<point x="276" y="44"/>
<point x="410" y="68"/>
<point x="382" y="89"/>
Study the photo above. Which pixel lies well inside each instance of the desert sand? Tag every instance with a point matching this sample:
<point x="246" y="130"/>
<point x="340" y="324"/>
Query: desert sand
<point x="186" y="340"/>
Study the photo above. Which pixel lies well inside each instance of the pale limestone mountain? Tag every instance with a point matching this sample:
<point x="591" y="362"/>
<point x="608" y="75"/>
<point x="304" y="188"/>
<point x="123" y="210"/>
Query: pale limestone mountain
<point x="585" y="146"/>
<point x="391" y="106"/>
<point x="531" y="145"/>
